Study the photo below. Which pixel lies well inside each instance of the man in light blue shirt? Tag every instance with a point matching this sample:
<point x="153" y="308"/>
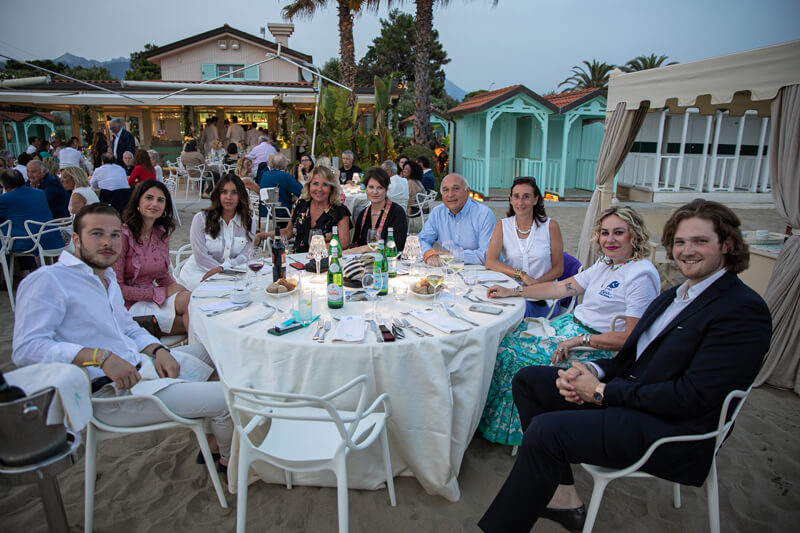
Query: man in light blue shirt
<point x="460" y="219"/>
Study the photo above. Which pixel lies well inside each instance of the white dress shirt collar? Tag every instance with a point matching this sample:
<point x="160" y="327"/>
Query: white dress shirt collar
<point x="690" y="292"/>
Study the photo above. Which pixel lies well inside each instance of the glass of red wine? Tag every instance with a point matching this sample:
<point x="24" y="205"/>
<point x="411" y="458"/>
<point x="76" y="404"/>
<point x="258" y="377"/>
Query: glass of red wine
<point x="255" y="262"/>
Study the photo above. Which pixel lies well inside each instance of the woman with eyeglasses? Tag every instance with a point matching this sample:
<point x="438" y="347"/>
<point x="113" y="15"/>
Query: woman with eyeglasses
<point x="529" y="243"/>
<point x="304" y="168"/>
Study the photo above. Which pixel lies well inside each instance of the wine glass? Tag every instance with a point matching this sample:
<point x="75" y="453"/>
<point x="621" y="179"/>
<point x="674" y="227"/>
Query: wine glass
<point x="356" y="180"/>
<point x="457" y="263"/>
<point x="255" y="262"/>
<point x="446" y="254"/>
<point x="317" y="249"/>
<point x="371" y="285"/>
<point x="373" y="236"/>
<point x="435" y="278"/>
<point x="412" y="252"/>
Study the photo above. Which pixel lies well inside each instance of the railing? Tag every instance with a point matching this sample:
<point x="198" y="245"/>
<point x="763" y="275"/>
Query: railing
<point x="547" y="175"/>
<point x="527" y="167"/>
<point x="586" y="174"/>
<point x="699" y="173"/>
<point x="475" y="174"/>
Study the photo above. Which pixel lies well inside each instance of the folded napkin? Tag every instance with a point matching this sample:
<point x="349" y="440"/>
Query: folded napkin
<point x="490" y="275"/>
<point x="192" y="369"/>
<point x="219" y="306"/>
<point x="441" y="322"/>
<point x="71" y="404"/>
<point x="538" y="327"/>
<point x="213" y="288"/>
<point x="350" y="329"/>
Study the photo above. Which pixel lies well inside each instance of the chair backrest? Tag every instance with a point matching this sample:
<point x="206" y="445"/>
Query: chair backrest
<point x="118" y="198"/>
<point x="52" y="236"/>
<point x="178" y="258"/>
<point x="195" y="171"/>
<point x="260" y="405"/>
<point x="25" y="436"/>
<point x="571" y="267"/>
<point x="269" y="195"/>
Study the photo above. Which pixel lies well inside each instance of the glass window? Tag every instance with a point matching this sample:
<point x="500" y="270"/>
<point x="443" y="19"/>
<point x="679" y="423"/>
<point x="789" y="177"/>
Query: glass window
<point x="227" y="69"/>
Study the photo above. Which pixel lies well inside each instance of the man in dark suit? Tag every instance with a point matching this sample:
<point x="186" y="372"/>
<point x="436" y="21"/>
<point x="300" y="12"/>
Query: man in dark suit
<point x="122" y="141"/>
<point x="693" y="345"/>
<point x="428" y="179"/>
<point x="57" y="196"/>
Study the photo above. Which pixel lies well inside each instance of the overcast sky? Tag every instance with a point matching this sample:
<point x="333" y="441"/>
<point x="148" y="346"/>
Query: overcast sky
<point x="533" y="42"/>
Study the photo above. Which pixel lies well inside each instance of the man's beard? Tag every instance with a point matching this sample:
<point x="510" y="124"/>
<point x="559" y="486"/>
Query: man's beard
<point x="95" y="261"/>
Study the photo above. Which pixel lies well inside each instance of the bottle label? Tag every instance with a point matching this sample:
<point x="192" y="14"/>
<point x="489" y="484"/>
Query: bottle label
<point x="334" y="267"/>
<point x="392" y="265"/>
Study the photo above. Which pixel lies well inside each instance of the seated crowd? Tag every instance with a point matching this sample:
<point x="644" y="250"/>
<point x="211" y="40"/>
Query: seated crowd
<point x="616" y="373"/>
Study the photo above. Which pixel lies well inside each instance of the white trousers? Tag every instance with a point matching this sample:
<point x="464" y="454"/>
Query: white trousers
<point x="187" y="399"/>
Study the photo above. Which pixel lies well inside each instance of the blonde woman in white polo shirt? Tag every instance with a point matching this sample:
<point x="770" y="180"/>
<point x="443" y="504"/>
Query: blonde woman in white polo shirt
<point x="622" y="282"/>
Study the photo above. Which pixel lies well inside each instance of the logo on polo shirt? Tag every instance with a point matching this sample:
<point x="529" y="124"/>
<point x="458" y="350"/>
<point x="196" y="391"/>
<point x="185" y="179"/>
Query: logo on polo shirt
<point x="606" y="291"/>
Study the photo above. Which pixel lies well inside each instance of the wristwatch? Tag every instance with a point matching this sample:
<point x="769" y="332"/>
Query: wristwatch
<point x="598" y="393"/>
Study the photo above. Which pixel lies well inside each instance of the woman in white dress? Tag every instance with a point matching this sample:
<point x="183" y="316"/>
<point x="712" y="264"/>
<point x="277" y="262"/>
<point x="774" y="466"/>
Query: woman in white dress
<point x="527" y="245"/>
<point x="75" y="180"/>
<point x="154" y="159"/>
<point x="220" y="234"/>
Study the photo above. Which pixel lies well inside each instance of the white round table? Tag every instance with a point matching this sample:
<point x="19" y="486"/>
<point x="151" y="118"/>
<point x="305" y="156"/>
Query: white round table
<point x="355" y="202"/>
<point x="437" y="385"/>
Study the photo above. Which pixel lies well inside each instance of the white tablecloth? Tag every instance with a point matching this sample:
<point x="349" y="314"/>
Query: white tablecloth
<point x="355" y="202"/>
<point x="437" y="385"/>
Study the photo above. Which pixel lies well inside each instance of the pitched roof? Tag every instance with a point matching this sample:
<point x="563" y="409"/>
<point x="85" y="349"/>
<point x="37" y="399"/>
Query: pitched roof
<point x="19" y="117"/>
<point x="570" y="99"/>
<point x="219" y="31"/>
<point x="483" y="101"/>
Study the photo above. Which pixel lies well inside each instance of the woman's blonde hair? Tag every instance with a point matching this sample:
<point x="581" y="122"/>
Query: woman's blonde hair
<point x="78" y="175"/>
<point x="640" y="237"/>
<point x="327" y="176"/>
<point x="51" y="165"/>
<point x="241" y="171"/>
<point x="323" y="161"/>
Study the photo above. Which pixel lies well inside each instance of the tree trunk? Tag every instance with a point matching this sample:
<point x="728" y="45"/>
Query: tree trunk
<point x="423" y="133"/>
<point x="347" y="50"/>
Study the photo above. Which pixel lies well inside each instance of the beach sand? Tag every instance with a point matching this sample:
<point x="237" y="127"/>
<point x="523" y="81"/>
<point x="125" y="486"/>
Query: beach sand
<point x="152" y="483"/>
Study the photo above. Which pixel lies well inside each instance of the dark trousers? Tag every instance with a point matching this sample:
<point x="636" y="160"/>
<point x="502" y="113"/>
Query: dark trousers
<point x="556" y="434"/>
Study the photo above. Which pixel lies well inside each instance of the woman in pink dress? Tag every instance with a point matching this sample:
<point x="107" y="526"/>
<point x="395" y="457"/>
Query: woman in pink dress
<point x="143" y="266"/>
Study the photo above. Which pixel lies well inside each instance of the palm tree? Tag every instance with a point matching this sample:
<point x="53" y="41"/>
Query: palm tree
<point x="423" y="132"/>
<point x="594" y="75"/>
<point x="646" y="62"/>
<point x="346" y="9"/>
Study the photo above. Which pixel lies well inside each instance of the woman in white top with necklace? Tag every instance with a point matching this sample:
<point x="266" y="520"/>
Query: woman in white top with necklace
<point x="220" y="234"/>
<point x="528" y="242"/>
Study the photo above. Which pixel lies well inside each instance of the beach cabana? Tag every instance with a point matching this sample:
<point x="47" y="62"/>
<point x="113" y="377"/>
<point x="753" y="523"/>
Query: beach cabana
<point x="766" y="80"/>
<point x="15" y="128"/>
<point x="499" y="135"/>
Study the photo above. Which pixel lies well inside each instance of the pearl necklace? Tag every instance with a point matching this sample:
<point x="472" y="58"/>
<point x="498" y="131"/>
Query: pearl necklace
<point x="519" y="230"/>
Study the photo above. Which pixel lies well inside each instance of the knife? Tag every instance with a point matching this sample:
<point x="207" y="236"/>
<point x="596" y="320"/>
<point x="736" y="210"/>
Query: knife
<point x="221" y="311"/>
<point x="266" y="317"/>
<point x="452" y="314"/>
<point x="374" y="326"/>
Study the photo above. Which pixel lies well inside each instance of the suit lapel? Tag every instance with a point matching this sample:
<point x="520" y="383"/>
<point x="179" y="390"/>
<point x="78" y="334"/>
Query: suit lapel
<point x="703" y="300"/>
<point x="654" y="311"/>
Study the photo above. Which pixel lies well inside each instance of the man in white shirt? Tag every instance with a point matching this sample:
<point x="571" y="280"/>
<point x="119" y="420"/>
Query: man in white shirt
<point x="235" y="131"/>
<point x="71" y="157"/>
<point x="33" y="145"/>
<point x="398" y="186"/>
<point x="693" y="345"/>
<point x="73" y="312"/>
<point x="252" y="135"/>
<point x="261" y="151"/>
<point x="109" y="176"/>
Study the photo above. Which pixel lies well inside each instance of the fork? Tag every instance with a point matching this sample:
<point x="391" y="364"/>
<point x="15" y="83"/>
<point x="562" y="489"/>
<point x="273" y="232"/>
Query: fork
<point x="479" y="300"/>
<point x="320" y="325"/>
<point x="414" y="328"/>
<point x="265" y="317"/>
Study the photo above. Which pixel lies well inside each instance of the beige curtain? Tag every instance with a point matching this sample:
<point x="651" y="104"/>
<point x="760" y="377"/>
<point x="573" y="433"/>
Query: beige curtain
<point x="782" y="363"/>
<point x="621" y="129"/>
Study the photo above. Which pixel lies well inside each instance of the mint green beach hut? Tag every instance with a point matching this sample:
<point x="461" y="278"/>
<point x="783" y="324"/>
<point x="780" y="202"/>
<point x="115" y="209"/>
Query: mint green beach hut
<point x="499" y="135"/>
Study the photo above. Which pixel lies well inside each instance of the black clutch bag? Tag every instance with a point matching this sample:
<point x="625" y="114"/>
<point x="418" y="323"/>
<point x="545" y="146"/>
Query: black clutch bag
<point x="311" y="266"/>
<point x="149" y="323"/>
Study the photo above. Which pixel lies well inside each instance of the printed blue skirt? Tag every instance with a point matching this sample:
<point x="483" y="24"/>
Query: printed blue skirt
<point x="500" y="421"/>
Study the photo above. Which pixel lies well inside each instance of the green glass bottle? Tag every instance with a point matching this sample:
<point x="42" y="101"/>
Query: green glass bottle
<point x="336" y="242"/>
<point x="335" y="288"/>
<point x="391" y="253"/>
<point x="383" y="266"/>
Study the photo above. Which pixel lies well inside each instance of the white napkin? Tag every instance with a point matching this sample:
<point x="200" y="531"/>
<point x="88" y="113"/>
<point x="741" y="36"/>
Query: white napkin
<point x="350" y="329"/>
<point x="218" y="306"/>
<point x="192" y="369"/>
<point x="490" y="275"/>
<point x="213" y="288"/>
<point x="443" y="323"/>
<point x="538" y="327"/>
<point x="72" y="402"/>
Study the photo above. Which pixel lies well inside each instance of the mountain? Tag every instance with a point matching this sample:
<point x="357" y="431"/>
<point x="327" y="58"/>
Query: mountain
<point x="455" y="92"/>
<point x="116" y="66"/>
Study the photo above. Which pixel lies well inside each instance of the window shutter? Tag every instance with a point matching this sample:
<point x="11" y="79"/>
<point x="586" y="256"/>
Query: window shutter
<point x="209" y="71"/>
<point x="251" y="73"/>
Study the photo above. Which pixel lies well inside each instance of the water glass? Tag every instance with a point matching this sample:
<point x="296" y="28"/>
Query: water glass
<point x="305" y="312"/>
<point x="400" y="292"/>
<point x="371" y="285"/>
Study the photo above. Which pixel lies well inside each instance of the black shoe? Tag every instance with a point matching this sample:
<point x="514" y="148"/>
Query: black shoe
<point x="570" y="519"/>
<point x="222" y="469"/>
<point x="202" y="460"/>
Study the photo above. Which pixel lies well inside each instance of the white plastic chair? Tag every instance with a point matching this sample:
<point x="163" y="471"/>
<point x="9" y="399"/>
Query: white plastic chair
<point x="602" y="476"/>
<point x="97" y="430"/>
<point x="177" y="258"/>
<point x="171" y="183"/>
<point x="423" y="201"/>
<point x="307" y="433"/>
<point x="5" y="237"/>
<point x="195" y="174"/>
<point x="60" y="226"/>
<point x="276" y="213"/>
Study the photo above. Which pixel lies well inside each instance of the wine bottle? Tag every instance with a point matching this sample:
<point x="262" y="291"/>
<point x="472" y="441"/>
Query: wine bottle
<point x="391" y="253"/>
<point x="335" y="288"/>
<point x="278" y="267"/>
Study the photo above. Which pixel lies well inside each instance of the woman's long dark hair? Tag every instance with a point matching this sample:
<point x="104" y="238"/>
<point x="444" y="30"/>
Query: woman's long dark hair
<point x="143" y="158"/>
<point x="416" y="170"/>
<point x="133" y="219"/>
<point x="539" y="215"/>
<point x="214" y="211"/>
<point x="99" y="147"/>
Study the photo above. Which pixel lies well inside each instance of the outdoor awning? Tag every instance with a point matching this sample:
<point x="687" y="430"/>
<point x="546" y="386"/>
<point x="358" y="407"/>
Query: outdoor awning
<point x="149" y="99"/>
<point x="749" y="80"/>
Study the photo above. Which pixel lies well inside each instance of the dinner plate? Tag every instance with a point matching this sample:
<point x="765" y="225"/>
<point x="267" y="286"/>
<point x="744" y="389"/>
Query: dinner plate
<point x="279" y="294"/>
<point x="426" y="296"/>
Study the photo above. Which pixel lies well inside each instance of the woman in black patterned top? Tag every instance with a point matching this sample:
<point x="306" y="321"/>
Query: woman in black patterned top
<point x="381" y="214"/>
<point x="319" y="207"/>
